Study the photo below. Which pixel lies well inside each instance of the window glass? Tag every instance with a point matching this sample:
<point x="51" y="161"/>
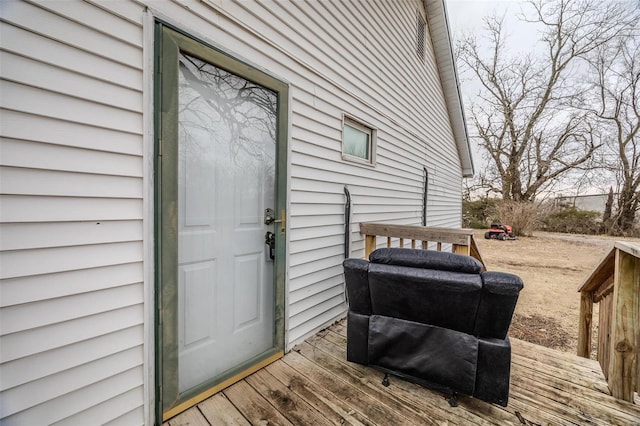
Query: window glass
<point x="356" y="142"/>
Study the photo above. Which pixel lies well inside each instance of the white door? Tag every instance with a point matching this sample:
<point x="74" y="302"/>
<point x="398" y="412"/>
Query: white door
<point x="221" y="155"/>
<point x="226" y="180"/>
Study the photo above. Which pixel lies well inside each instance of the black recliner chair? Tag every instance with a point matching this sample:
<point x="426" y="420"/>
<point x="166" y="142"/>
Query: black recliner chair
<point x="432" y="318"/>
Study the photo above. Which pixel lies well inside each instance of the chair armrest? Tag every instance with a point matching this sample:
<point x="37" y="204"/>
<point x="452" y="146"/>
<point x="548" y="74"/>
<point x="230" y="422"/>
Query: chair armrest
<point x="356" y="275"/>
<point x="500" y="292"/>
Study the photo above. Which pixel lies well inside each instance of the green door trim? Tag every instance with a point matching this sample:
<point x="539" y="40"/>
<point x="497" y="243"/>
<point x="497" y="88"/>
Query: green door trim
<point x="168" y="43"/>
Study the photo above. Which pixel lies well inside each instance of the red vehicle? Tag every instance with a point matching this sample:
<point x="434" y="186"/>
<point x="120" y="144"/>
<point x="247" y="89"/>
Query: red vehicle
<point x="500" y="232"/>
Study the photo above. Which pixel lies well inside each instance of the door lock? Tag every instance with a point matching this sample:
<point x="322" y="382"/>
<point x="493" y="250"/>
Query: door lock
<point x="269" y="218"/>
<point x="270" y="240"/>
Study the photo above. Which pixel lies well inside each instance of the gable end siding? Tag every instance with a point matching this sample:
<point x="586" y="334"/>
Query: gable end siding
<point x="358" y="61"/>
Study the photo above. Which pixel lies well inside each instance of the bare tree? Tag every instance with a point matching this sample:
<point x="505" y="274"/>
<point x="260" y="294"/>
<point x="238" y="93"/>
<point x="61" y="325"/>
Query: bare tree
<point x="247" y="110"/>
<point x="528" y="115"/>
<point x="617" y="83"/>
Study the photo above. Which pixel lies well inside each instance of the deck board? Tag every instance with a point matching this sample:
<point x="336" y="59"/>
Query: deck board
<point x="423" y="399"/>
<point x="298" y="411"/>
<point x="218" y="410"/>
<point x="320" y="398"/>
<point x="254" y="406"/>
<point x="315" y="385"/>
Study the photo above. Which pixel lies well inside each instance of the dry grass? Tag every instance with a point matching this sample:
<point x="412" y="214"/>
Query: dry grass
<point x="553" y="266"/>
<point x="541" y="330"/>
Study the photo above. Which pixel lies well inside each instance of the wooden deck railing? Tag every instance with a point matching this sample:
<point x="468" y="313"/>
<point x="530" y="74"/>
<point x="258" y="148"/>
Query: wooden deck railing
<point x="461" y="240"/>
<point x="615" y="285"/>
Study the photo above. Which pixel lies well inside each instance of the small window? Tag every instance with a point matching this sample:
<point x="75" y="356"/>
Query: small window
<point x="358" y="141"/>
<point x="420" y="33"/>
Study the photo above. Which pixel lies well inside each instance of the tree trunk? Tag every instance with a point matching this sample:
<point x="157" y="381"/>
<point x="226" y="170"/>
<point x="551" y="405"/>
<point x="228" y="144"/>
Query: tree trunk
<point x="626" y="211"/>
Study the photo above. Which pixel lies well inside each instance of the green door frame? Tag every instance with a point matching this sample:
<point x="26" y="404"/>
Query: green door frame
<point x="168" y="43"/>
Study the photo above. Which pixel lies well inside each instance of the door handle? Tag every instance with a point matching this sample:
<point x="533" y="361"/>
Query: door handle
<point x="270" y="240"/>
<point x="269" y="218"/>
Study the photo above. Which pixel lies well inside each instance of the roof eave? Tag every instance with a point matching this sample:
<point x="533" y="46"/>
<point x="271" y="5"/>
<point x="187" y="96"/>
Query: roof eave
<point x="445" y="60"/>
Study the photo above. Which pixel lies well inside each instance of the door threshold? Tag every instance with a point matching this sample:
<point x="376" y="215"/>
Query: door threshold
<point x="183" y="406"/>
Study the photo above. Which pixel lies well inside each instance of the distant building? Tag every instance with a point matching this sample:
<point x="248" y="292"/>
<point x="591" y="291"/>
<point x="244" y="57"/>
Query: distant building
<point x="594" y="203"/>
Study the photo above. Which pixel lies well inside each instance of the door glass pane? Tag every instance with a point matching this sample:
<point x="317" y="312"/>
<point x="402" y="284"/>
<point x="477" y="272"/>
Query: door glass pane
<point x="226" y="178"/>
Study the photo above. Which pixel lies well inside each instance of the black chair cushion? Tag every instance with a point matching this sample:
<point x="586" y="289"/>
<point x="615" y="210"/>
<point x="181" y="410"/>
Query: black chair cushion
<point x="443" y="299"/>
<point x="426" y="259"/>
<point x="432" y="355"/>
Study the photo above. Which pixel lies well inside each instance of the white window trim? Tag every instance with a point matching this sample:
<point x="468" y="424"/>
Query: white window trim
<point x="373" y="138"/>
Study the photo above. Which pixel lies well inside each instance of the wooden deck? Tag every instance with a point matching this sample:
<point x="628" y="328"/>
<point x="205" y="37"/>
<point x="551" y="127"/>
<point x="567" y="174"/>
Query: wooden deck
<point x="315" y="385"/>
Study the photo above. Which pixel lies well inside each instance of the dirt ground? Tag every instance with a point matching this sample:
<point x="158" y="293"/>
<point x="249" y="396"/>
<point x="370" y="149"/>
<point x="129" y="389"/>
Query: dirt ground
<point x="553" y="267"/>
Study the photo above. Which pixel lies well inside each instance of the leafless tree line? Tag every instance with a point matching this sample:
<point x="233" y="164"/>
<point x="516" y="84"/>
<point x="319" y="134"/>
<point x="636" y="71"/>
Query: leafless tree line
<point x="566" y="112"/>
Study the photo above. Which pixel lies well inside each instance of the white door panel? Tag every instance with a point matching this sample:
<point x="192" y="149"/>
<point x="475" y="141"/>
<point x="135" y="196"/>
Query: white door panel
<point x="225" y="182"/>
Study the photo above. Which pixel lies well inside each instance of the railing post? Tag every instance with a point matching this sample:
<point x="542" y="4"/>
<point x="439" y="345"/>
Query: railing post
<point x="626" y="326"/>
<point x="462" y="249"/>
<point x="585" y="324"/>
<point x="369" y="245"/>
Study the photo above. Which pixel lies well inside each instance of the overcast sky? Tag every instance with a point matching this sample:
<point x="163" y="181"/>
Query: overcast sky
<point x="469" y="13"/>
<point x="466" y="16"/>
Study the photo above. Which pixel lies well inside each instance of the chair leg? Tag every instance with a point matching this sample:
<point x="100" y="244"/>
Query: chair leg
<point x="453" y="401"/>
<point x="385" y="380"/>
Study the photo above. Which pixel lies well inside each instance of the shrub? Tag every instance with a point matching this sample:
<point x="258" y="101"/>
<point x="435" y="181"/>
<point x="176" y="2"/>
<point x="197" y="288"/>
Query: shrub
<point x="521" y="215"/>
<point x="476" y="213"/>
<point x="573" y="221"/>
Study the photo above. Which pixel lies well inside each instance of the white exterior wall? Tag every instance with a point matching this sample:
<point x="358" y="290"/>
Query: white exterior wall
<point x="71" y="212"/>
<point x="75" y="180"/>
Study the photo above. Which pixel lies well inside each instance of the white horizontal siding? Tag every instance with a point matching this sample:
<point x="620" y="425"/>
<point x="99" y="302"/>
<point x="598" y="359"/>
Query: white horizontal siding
<point x="71" y="214"/>
<point x="304" y="304"/>
<point x="31" y="368"/>
<point x="48" y="156"/>
<point x="304" y="245"/>
<point x="19" y="345"/>
<point x="408" y="139"/>
<point x="20" y="318"/>
<point x="22" y="290"/>
<point x="22" y="181"/>
<point x="339" y="65"/>
<point x="135" y="417"/>
<point x="21" y="236"/>
<point x="72" y="180"/>
<point x="18" y="208"/>
<point x="119" y="410"/>
<point x="29" y="127"/>
<point x="105" y="391"/>
<point x="48" y="388"/>
<point x="83" y="34"/>
<point x="324" y="280"/>
<point x="56" y="53"/>
<point x="35" y="101"/>
<point x="19" y="69"/>
<point x="125" y="31"/>
<point x="308" y="167"/>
